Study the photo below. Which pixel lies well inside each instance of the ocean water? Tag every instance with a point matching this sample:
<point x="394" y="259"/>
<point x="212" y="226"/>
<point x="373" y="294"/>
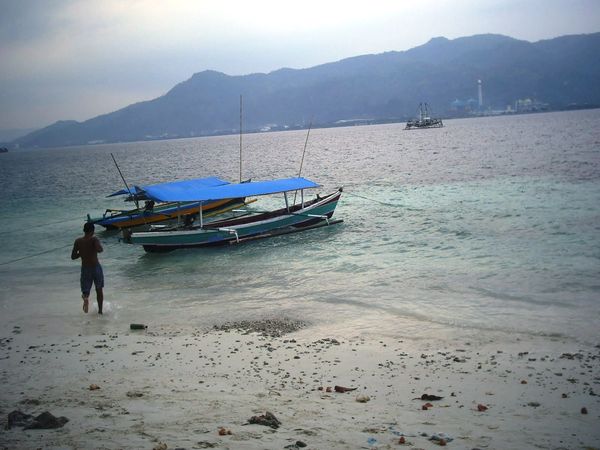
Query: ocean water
<point x="488" y="224"/>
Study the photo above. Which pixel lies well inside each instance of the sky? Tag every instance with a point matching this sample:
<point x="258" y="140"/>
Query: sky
<point x="76" y="59"/>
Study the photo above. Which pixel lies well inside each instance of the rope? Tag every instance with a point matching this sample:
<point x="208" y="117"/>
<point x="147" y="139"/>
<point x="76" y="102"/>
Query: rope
<point x="41" y="225"/>
<point x="36" y="254"/>
<point x="373" y="200"/>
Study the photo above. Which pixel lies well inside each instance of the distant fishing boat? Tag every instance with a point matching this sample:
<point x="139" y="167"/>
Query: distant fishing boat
<point x="424" y="120"/>
<point x="249" y="225"/>
<point x="153" y="212"/>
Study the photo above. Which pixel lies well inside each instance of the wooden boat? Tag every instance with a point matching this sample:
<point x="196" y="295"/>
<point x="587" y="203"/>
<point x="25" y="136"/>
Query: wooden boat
<point x="424" y="120"/>
<point x="247" y="226"/>
<point x="153" y="212"/>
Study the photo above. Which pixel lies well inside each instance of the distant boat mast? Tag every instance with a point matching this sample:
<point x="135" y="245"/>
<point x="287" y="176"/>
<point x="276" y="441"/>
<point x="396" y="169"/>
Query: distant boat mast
<point x="240" y="138"/>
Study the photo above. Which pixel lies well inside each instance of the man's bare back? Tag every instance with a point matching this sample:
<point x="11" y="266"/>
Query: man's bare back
<point x="87" y="248"/>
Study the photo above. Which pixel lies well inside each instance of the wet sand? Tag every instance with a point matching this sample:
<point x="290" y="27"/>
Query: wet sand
<point x="171" y="388"/>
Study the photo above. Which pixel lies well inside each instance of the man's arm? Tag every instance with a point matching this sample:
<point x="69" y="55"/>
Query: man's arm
<point x="98" y="245"/>
<point x="75" y="252"/>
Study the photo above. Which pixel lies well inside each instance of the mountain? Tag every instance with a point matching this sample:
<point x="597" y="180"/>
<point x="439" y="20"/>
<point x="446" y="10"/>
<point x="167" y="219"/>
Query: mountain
<point x="7" y="135"/>
<point x="560" y="72"/>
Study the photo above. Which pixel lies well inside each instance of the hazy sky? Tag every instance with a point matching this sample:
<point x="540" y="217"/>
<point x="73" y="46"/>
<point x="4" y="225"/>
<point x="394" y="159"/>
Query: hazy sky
<point x="75" y="59"/>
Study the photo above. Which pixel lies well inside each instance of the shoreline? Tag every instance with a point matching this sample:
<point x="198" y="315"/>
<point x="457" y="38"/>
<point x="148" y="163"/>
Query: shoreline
<point x="180" y="388"/>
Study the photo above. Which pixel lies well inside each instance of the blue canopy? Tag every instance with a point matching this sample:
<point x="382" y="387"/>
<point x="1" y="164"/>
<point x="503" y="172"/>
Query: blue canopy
<point x="179" y="192"/>
<point x="185" y="184"/>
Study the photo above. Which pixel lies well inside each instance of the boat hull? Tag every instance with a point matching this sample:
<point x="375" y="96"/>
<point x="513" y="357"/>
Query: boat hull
<point x="165" y="212"/>
<point x="236" y="230"/>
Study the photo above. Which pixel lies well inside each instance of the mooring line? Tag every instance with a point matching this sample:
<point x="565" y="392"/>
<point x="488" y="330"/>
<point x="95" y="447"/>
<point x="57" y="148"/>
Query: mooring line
<point x="41" y="225"/>
<point x="373" y="200"/>
<point x="36" y="254"/>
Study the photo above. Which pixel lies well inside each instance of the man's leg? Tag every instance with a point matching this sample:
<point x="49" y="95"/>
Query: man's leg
<point x="100" y="298"/>
<point x="86" y="284"/>
<point x="99" y="284"/>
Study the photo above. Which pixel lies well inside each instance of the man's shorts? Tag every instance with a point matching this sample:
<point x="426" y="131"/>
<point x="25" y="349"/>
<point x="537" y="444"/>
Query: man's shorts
<point x="91" y="275"/>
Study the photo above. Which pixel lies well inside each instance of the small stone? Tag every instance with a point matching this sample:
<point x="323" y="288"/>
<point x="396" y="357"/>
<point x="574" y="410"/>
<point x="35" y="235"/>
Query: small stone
<point x="584" y="410"/>
<point x="481" y="408"/>
<point x="363" y="398"/>
<point x="134" y="394"/>
<point x="94" y="387"/>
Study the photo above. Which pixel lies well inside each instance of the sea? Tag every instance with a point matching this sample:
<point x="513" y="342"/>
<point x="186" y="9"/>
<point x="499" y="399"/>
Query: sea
<point x="488" y="225"/>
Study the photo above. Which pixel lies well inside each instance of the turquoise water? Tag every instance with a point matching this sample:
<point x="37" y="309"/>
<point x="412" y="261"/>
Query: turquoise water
<point x="486" y="224"/>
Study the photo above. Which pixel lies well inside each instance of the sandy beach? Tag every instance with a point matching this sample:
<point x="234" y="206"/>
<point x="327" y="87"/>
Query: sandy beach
<point x="163" y="388"/>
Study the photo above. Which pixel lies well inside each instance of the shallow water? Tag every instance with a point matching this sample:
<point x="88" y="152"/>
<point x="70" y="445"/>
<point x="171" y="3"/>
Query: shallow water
<point x="486" y="224"/>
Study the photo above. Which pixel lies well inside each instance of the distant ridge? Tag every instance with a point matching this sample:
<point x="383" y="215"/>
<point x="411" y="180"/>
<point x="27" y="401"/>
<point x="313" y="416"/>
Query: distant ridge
<point x="562" y="72"/>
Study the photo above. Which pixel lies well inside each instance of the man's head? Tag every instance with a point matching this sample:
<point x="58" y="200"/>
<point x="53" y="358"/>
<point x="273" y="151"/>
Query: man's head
<point x="88" y="228"/>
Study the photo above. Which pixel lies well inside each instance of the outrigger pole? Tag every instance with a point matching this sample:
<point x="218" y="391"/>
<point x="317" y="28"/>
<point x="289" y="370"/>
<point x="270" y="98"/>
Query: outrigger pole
<point x="126" y="185"/>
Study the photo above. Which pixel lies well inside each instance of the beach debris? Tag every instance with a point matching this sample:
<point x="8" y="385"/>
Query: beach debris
<point x="18" y="419"/>
<point x="224" y="431"/>
<point x="44" y="421"/>
<point x="298" y="444"/>
<point x="426" y="406"/>
<point x="134" y="394"/>
<point x="343" y="389"/>
<point x="523" y="381"/>
<point x="429" y="397"/>
<point x="584" y="410"/>
<point x="275" y="327"/>
<point x="160" y="446"/>
<point x="267" y="419"/>
<point x="372" y="441"/>
<point x="206" y="444"/>
<point x="362" y="398"/>
<point x="533" y="404"/>
<point x="402" y="440"/>
<point x="328" y="389"/>
<point x="481" y="408"/>
<point x="94" y="387"/>
<point x="441" y="438"/>
<point x="137" y="326"/>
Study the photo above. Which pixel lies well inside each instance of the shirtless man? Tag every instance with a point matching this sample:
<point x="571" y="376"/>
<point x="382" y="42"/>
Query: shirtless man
<point x="88" y="247"/>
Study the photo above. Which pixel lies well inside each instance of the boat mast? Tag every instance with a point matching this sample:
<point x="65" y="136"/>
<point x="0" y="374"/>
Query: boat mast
<point x="302" y="163"/>
<point x="240" y="138"/>
<point x="126" y="185"/>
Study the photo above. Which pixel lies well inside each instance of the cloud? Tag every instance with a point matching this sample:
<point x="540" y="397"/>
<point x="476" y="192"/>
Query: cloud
<point x="98" y="56"/>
